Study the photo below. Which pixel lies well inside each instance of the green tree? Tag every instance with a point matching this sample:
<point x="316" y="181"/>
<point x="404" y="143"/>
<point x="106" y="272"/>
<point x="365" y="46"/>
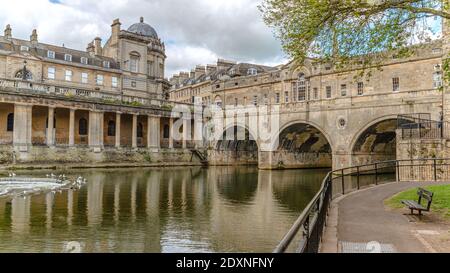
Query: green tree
<point x="344" y="32"/>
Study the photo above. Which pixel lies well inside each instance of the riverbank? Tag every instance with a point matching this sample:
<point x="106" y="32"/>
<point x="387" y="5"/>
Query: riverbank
<point x="362" y="223"/>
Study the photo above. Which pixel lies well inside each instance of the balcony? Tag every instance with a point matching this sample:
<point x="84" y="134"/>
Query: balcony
<point x="18" y="85"/>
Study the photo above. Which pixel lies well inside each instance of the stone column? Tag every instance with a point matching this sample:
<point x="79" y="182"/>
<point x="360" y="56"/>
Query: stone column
<point x="134" y="132"/>
<point x="50" y="125"/>
<point x="118" y="122"/>
<point x="185" y="132"/>
<point x="171" y="133"/>
<point x="153" y="132"/>
<point x="96" y="130"/>
<point x="22" y="127"/>
<point x="72" y="128"/>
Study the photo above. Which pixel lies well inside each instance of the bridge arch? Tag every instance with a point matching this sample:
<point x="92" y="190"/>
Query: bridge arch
<point x="237" y="145"/>
<point x="375" y="141"/>
<point x="299" y="144"/>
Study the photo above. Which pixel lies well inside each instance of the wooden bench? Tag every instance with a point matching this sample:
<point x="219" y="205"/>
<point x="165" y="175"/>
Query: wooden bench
<point x="413" y="205"/>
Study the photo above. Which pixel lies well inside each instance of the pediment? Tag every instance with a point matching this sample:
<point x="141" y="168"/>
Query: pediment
<point x="24" y="55"/>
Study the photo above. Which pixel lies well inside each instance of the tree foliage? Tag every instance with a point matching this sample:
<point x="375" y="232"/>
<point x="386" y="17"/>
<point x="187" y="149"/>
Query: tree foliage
<point x="345" y="31"/>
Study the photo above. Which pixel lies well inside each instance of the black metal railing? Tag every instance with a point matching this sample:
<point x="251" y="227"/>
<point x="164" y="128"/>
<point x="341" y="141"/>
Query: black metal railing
<point x="306" y="233"/>
<point x="420" y="126"/>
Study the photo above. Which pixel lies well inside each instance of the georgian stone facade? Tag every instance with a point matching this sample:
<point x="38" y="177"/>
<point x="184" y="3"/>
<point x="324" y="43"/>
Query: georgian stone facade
<point x="105" y="105"/>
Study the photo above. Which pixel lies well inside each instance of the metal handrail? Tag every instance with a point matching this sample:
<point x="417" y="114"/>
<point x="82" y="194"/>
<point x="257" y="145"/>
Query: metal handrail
<point x="317" y="208"/>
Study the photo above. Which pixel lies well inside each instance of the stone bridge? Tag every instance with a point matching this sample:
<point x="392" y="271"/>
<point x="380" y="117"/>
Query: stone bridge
<point x="336" y="133"/>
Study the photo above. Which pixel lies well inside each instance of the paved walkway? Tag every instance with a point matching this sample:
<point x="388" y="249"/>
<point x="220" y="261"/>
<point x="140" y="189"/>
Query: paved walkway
<point x="360" y="217"/>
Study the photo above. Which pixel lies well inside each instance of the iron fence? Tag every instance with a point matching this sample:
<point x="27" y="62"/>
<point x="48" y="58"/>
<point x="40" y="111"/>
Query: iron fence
<point x="305" y="235"/>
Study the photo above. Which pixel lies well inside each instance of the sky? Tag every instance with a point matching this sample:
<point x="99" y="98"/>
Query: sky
<point x="195" y="31"/>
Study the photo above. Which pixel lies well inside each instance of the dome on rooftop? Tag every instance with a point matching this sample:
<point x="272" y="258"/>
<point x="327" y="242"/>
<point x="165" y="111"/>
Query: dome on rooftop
<point x="143" y="29"/>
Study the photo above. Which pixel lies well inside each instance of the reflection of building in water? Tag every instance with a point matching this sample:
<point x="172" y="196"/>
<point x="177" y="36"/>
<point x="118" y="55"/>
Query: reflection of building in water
<point x="20" y="215"/>
<point x="95" y="199"/>
<point x="191" y="210"/>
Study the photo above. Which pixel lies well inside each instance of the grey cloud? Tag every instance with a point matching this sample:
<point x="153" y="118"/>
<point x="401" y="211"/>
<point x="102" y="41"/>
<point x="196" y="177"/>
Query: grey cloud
<point x="227" y="29"/>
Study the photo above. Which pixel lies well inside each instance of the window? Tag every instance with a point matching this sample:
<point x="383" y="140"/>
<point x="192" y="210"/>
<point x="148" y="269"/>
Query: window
<point x="28" y="76"/>
<point x="82" y="127"/>
<point x="10" y="122"/>
<point x="437" y="79"/>
<point x="360" y="88"/>
<point x="140" y="130"/>
<point x="84" y="77"/>
<point x="134" y="64"/>
<point x="24" y="48"/>
<point x="301" y="85"/>
<point x="343" y="90"/>
<point x="50" y="54"/>
<point x="395" y="84"/>
<point x="286" y="97"/>
<point x="106" y="64"/>
<point x="51" y="73"/>
<point x="84" y="60"/>
<point x="316" y="93"/>
<point x="133" y="84"/>
<point x="252" y="71"/>
<point x="328" y="92"/>
<point x="150" y="68"/>
<point x="328" y="67"/>
<point x="111" y="128"/>
<point x="166" y="131"/>
<point x="277" y="98"/>
<point x="235" y="101"/>
<point x="266" y="101"/>
<point x="99" y="79"/>
<point x="114" y="82"/>
<point x="255" y="100"/>
<point x="68" y="75"/>
<point x="67" y="57"/>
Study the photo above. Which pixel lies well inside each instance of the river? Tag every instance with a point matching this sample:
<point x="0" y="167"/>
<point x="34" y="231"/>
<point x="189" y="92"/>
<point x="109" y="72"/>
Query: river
<point x="216" y="209"/>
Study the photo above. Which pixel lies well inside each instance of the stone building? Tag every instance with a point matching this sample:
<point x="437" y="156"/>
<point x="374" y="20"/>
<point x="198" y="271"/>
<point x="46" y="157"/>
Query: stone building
<point x="101" y="101"/>
<point x="328" y="116"/>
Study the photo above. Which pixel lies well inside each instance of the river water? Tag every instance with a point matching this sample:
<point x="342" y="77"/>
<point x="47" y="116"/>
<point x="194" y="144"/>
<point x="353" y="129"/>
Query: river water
<point x="216" y="209"/>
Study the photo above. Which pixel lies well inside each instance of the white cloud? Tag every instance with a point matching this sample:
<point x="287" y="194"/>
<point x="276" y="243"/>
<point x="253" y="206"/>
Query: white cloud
<point x="195" y="31"/>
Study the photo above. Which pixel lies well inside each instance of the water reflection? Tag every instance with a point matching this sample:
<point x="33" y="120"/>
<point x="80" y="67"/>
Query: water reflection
<point x="223" y="209"/>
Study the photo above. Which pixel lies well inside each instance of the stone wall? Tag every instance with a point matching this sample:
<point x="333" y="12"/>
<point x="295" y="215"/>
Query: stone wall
<point x="225" y="158"/>
<point x="42" y="157"/>
<point x="289" y="160"/>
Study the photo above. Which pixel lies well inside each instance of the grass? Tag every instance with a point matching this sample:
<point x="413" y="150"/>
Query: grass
<point x="441" y="199"/>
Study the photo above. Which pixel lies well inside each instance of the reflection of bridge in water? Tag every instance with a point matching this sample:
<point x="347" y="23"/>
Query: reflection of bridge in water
<point x="216" y="209"/>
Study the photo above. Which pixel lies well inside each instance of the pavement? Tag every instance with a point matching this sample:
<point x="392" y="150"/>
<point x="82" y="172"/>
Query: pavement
<point x="359" y="222"/>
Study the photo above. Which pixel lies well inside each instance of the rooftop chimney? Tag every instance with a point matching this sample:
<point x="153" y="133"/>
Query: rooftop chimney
<point x="210" y="68"/>
<point x="115" y="30"/>
<point x="91" y="49"/>
<point x="8" y="32"/>
<point x="34" y="37"/>
<point x="199" y="71"/>
<point x="224" y="64"/>
<point x="98" y="46"/>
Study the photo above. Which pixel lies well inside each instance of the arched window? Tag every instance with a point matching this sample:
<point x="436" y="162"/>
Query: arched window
<point x="82" y="127"/>
<point x="140" y="131"/>
<point x="301" y="87"/>
<point x="166" y="132"/>
<point x="10" y="122"/>
<point x="111" y="128"/>
<point x="19" y="75"/>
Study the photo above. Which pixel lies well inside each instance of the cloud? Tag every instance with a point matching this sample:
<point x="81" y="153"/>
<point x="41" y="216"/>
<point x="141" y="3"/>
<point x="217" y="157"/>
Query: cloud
<point x="195" y="31"/>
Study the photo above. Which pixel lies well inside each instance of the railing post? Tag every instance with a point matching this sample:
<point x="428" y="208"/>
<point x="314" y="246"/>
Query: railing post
<point x="376" y="173"/>
<point x="343" y="182"/>
<point x="435" y="169"/>
<point x="397" y="165"/>
<point x="357" y="177"/>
